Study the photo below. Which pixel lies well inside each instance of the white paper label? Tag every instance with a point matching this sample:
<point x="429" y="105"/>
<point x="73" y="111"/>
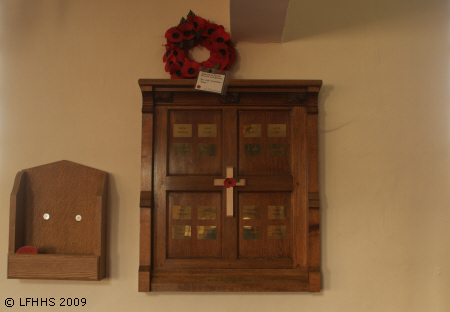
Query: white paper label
<point x="210" y="82"/>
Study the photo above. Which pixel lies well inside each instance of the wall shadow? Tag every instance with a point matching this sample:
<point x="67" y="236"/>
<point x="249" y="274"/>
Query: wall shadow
<point x="312" y="18"/>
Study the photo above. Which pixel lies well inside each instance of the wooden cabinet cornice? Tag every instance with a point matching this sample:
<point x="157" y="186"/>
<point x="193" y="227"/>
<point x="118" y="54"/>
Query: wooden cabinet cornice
<point x="229" y="187"/>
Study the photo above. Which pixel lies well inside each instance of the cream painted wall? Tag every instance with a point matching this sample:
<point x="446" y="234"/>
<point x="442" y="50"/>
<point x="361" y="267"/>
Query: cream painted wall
<point x="68" y="90"/>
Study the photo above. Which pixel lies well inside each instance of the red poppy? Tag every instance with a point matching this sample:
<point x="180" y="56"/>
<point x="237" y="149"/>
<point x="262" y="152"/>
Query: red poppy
<point x="223" y="64"/>
<point x="179" y="59"/>
<point x="190" y="69"/>
<point x="206" y="43"/>
<point x="175" y="72"/>
<point x="220" y="36"/>
<point x="230" y="182"/>
<point x="210" y="28"/>
<point x="218" y="59"/>
<point x="177" y="52"/>
<point x="186" y="30"/>
<point x="167" y="55"/>
<point x="208" y="64"/>
<point x="222" y="48"/>
<point x="27" y="250"/>
<point x="170" y="45"/>
<point x="173" y="35"/>
<point x="195" y="44"/>
<point x="197" y="22"/>
<point x="170" y="63"/>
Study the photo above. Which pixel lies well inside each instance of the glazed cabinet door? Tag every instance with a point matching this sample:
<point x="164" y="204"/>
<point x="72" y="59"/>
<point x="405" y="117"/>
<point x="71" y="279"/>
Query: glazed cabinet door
<point x="188" y="225"/>
<point x="271" y="207"/>
<point x="195" y="151"/>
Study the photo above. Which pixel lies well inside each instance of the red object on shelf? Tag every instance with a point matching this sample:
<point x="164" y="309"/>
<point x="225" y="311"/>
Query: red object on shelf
<point x="27" y="250"/>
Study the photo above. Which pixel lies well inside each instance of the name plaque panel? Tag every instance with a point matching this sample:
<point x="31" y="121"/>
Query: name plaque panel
<point x="206" y="232"/>
<point x="276" y="232"/>
<point x="181" y="232"/>
<point x="251" y="150"/>
<point x="181" y="212"/>
<point x="277" y="150"/>
<point x="252" y="232"/>
<point x="207" y="149"/>
<point x="277" y="212"/>
<point x="252" y="131"/>
<point x="182" y="149"/>
<point x="251" y="212"/>
<point x="182" y="130"/>
<point x="207" y="213"/>
<point x="276" y="130"/>
<point x="207" y="130"/>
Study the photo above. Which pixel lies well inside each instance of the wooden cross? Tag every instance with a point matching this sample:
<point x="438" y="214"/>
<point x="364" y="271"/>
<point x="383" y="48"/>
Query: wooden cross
<point x="221" y="182"/>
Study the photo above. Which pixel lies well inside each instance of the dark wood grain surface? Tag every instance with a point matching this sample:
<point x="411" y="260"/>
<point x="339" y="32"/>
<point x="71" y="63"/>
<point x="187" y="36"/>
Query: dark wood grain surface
<point x="66" y="267"/>
<point x="146" y="199"/>
<point x="280" y="170"/>
<point x="265" y="247"/>
<point x="195" y="164"/>
<point x="194" y="247"/>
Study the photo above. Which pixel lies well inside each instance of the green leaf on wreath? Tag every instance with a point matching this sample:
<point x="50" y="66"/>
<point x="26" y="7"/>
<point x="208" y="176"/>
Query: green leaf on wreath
<point x="215" y="68"/>
<point x="191" y="43"/>
<point x="197" y="34"/>
<point x="183" y="20"/>
<point x="180" y="44"/>
<point x="191" y="13"/>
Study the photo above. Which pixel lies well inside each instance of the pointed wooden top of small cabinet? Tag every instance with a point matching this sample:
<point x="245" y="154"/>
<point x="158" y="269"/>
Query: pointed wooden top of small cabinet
<point x="63" y="165"/>
<point x="66" y="173"/>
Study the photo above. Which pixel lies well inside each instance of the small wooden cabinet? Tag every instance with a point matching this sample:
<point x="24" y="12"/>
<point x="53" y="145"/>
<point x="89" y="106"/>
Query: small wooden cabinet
<point x="59" y="209"/>
<point x="229" y="187"/>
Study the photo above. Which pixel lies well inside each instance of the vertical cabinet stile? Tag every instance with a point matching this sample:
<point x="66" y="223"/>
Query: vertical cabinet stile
<point x="145" y="202"/>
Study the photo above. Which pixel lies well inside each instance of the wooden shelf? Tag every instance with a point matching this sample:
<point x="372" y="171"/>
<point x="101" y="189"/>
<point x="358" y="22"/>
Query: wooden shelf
<point x="67" y="248"/>
<point x="41" y="266"/>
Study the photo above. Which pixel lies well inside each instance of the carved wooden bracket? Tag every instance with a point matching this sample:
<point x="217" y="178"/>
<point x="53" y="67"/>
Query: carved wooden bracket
<point x="297" y="97"/>
<point x="313" y="198"/>
<point x="147" y="97"/>
<point x="146" y="199"/>
<point x="163" y="97"/>
<point x="230" y="98"/>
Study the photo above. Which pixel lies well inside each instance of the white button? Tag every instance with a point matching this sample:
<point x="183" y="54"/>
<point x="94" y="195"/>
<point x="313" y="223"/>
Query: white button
<point x="78" y="218"/>
<point x="46" y="216"/>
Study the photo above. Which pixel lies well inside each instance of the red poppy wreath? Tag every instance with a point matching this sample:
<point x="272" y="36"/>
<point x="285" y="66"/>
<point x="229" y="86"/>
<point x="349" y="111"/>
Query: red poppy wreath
<point x="190" y="33"/>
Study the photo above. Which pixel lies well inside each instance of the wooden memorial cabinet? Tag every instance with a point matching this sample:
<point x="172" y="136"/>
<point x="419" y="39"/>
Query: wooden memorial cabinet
<point x="198" y="232"/>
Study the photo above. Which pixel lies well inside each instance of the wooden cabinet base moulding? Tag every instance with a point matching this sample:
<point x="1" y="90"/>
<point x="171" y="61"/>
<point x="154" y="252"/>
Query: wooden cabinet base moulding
<point x="60" y="210"/>
<point x="230" y="187"/>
